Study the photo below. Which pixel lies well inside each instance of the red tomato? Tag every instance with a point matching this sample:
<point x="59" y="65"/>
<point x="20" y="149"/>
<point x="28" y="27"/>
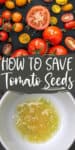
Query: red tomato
<point x="53" y="34"/>
<point x="3" y="36"/>
<point x="1" y="21"/>
<point x="6" y="15"/>
<point x="58" y="50"/>
<point x="69" y="25"/>
<point x="38" y="17"/>
<point x="7" y="26"/>
<point x="70" y="43"/>
<point x="67" y="17"/>
<point x="37" y="46"/>
<point x="2" y="1"/>
<point x="19" y="53"/>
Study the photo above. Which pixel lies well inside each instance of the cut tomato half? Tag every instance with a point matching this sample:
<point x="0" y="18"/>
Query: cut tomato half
<point x="38" y="17"/>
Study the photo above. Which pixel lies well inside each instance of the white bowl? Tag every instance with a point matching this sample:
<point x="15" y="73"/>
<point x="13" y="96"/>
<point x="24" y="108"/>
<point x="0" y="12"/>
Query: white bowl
<point x="62" y="140"/>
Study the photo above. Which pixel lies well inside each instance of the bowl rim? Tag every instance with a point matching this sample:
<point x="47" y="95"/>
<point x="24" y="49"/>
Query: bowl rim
<point x="8" y="92"/>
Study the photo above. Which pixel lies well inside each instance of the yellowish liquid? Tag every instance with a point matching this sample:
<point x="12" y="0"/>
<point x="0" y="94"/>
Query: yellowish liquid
<point x="37" y="120"/>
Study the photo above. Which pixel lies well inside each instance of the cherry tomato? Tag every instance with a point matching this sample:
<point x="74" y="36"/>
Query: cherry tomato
<point x="37" y="46"/>
<point x="70" y="43"/>
<point x="3" y="36"/>
<point x="19" y="53"/>
<point x="38" y="17"/>
<point x="67" y="17"/>
<point x="1" y="21"/>
<point x="69" y="25"/>
<point x="53" y="34"/>
<point x="7" y="26"/>
<point x="58" y="50"/>
<point x="6" y="15"/>
<point x="2" y="2"/>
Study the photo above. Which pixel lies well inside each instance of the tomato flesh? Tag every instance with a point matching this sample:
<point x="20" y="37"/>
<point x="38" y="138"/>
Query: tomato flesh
<point x="37" y="46"/>
<point x="67" y="17"/>
<point x="70" y="43"/>
<point x="38" y="17"/>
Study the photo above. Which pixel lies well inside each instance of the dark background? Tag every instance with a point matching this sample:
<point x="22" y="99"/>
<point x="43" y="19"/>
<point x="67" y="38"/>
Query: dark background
<point x="34" y="33"/>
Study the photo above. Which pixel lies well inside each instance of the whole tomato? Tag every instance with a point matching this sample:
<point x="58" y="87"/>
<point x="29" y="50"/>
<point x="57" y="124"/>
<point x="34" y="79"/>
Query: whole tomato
<point x="37" y="46"/>
<point x="58" y="50"/>
<point x="3" y="36"/>
<point x="53" y="34"/>
<point x="70" y="25"/>
<point x="1" y="21"/>
<point x="19" y="53"/>
<point x="6" y="14"/>
<point x="7" y="26"/>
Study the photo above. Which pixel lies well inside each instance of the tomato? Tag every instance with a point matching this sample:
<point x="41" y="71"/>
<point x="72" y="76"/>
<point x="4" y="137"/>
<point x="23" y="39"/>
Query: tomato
<point x="3" y="36"/>
<point x="61" y="2"/>
<point x="19" y="53"/>
<point x="53" y="34"/>
<point x="37" y="46"/>
<point x="56" y="9"/>
<point x="70" y="43"/>
<point x="16" y="17"/>
<point x="6" y="15"/>
<point x="67" y="7"/>
<point x="18" y="27"/>
<point x="24" y="38"/>
<point x="2" y="1"/>
<point x="7" y="26"/>
<point x="58" y="50"/>
<point x="10" y="4"/>
<point x="67" y="17"/>
<point x="38" y="17"/>
<point x="1" y="21"/>
<point x="70" y="25"/>
<point x="7" y="48"/>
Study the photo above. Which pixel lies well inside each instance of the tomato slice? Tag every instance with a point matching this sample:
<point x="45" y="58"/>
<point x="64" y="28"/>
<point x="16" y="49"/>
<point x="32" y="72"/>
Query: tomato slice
<point x="67" y="17"/>
<point x="38" y="17"/>
<point x="70" y="43"/>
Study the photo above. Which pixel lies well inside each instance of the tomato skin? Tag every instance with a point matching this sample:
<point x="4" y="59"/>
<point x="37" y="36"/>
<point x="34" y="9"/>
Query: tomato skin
<point x="1" y="21"/>
<point x="38" y="17"/>
<point x="19" y="53"/>
<point x="3" y="36"/>
<point x="7" y="26"/>
<point x="53" y="34"/>
<point x="2" y="1"/>
<point x="69" y="25"/>
<point x="6" y="15"/>
<point x="70" y="43"/>
<point x="37" y="46"/>
<point x="58" y="50"/>
<point x="67" y="17"/>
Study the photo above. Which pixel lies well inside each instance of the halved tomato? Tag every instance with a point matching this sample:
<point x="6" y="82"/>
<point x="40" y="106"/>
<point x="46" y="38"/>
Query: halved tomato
<point x="38" y="17"/>
<point x="70" y="43"/>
